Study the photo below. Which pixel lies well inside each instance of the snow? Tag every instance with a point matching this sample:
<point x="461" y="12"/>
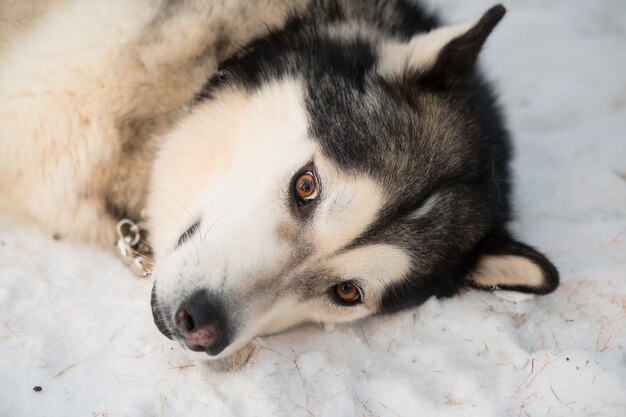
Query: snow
<point x="77" y="323"/>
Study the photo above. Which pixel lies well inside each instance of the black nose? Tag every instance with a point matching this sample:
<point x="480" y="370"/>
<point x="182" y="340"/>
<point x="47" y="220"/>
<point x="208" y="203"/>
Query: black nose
<point x="201" y="323"/>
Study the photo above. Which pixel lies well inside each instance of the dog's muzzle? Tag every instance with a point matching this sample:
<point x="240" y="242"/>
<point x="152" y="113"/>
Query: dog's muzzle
<point x="200" y="323"/>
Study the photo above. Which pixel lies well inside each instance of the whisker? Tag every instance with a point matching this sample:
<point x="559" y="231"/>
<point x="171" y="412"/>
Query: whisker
<point x="141" y="255"/>
<point x="215" y="222"/>
<point x="193" y="219"/>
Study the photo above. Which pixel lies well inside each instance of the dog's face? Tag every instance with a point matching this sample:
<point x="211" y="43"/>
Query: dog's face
<point x="267" y="237"/>
<point x="328" y="191"/>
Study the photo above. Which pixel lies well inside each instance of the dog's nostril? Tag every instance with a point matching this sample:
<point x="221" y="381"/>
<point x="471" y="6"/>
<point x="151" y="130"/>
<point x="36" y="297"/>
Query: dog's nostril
<point x="201" y="323"/>
<point x="184" y="321"/>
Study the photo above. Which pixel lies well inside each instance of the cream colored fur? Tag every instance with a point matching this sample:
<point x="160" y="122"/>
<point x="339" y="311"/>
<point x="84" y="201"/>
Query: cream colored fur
<point x="507" y="270"/>
<point x="81" y="82"/>
<point x="88" y="88"/>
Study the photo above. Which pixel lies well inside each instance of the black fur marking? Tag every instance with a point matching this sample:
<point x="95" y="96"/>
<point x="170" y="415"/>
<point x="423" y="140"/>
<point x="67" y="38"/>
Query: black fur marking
<point x="304" y="48"/>
<point x="310" y="55"/>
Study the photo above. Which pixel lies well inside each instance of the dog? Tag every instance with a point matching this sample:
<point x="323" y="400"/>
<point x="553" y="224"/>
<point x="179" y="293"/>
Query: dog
<point x="297" y="161"/>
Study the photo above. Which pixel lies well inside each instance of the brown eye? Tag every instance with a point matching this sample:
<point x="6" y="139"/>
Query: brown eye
<point x="347" y="293"/>
<point x="305" y="187"/>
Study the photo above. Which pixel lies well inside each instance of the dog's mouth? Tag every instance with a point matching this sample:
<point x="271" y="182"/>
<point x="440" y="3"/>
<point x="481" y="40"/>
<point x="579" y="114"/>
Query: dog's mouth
<point x="158" y="317"/>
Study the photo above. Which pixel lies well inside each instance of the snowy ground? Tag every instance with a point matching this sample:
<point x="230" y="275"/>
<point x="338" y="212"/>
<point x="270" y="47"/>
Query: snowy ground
<point x="75" y="322"/>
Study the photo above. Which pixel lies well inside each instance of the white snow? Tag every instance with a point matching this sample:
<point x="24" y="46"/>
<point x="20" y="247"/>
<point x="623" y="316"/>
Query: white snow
<point x="74" y="321"/>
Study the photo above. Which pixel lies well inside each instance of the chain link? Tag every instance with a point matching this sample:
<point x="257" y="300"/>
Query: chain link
<point x="133" y="249"/>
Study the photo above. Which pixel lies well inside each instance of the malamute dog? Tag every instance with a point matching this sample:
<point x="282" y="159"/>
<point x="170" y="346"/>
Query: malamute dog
<point x="306" y="160"/>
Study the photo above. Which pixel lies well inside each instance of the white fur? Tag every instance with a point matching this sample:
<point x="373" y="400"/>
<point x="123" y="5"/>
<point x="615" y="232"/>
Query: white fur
<point x="235" y="158"/>
<point x="222" y="149"/>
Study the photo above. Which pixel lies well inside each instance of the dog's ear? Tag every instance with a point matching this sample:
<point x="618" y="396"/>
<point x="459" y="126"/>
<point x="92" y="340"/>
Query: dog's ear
<point x="500" y="262"/>
<point x="443" y="56"/>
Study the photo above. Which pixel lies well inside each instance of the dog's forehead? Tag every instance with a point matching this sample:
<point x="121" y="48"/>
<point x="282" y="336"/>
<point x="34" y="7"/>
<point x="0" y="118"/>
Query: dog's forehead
<point x="370" y="141"/>
<point x="362" y="119"/>
<point x="405" y="137"/>
<point x="239" y="145"/>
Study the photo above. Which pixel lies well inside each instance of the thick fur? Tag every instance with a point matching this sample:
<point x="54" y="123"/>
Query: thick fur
<point x="108" y="110"/>
<point x="87" y="86"/>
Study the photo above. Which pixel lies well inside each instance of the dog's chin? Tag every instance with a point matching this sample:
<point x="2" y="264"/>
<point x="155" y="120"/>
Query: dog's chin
<point x="234" y="351"/>
<point x="230" y="359"/>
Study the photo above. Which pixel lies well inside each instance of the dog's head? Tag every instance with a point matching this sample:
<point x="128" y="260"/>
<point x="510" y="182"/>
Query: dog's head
<point x="329" y="175"/>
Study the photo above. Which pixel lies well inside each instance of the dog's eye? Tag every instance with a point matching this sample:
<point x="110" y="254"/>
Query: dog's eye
<point x="347" y="293"/>
<point x="305" y="188"/>
<point x="304" y="191"/>
<point x="187" y="235"/>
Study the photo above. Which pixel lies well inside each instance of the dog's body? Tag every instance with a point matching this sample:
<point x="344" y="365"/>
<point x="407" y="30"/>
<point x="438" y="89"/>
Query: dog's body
<point x="87" y="87"/>
<point x="344" y="159"/>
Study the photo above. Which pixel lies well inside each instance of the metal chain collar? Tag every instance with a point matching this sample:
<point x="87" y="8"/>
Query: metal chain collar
<point x="134" y="250"/>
